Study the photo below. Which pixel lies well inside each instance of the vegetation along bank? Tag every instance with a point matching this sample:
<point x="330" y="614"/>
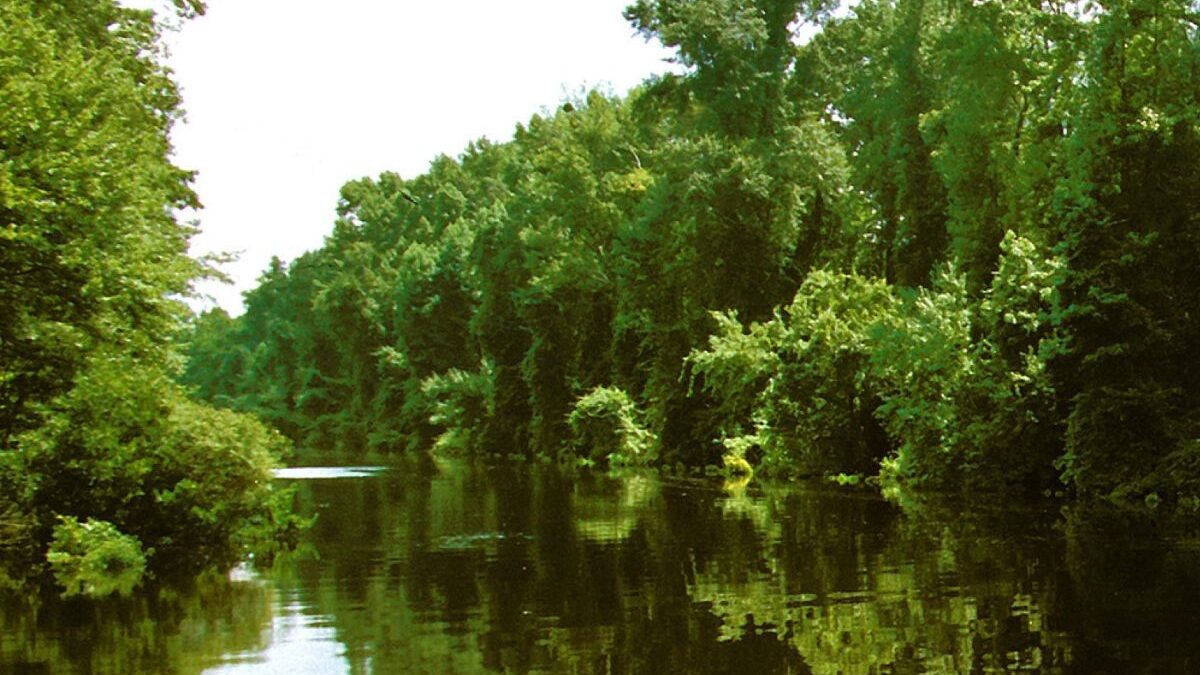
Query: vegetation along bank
<point x="952" y="242"/>
<point x="109" y="471"/>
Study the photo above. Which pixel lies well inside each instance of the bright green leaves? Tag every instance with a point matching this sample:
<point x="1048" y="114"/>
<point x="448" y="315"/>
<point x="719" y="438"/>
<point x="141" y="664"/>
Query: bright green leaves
<point x="606" y="428"/>
<point x="849" y="370"/>
<point x="126" y="446"/>
<point x="965" y="391"/>
<point x="458" y="403"/>
<point x="944" y="233"/>
<point x="96" y="443"/>
<point x="738" y="53"/>
<point x="91" y="254"/>
<point x="800" y="383"/>
<point x="95" y="559"/>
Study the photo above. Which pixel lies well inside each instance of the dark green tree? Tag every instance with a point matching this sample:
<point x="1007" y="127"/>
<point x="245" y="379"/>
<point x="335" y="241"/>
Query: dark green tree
<point x="1128" y="224"/>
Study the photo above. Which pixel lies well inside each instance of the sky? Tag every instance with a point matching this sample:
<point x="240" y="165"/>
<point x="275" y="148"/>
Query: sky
<point x="286" y="100"/>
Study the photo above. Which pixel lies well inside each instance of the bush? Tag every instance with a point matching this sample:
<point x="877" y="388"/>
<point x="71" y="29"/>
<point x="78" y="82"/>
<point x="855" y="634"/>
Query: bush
<point x="819" y="407"/>
<point x="606" y="428"/>
<point x="94" y="558"/>
<point x="736" y="369"/>
<point x="126" y="446"/>
<point x="458" y="405"/>
<point x="799" y="385"/>
<point x="966" y="394"/>
<point x="925" y="359"/>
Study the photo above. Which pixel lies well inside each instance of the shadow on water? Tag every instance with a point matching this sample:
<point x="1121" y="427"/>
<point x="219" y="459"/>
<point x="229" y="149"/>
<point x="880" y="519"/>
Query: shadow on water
<point x="525" y="568"/>
<point x="177" y="629"/>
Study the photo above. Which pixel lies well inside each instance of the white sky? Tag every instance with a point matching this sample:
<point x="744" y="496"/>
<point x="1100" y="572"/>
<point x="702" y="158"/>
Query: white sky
<point x="287" y="100"/>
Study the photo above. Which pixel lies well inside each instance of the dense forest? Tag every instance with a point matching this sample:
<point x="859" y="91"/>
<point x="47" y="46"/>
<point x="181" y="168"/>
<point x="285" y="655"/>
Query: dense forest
<point x="951" y="242"/>
<point x="109" y="470"/>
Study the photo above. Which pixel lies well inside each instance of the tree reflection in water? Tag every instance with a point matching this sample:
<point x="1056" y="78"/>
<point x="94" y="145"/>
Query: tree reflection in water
<point x="519" y="568"/>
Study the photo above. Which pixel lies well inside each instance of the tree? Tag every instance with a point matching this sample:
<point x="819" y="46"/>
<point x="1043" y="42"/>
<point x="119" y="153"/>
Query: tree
<point x="92" y="268"/>
<point x="1127" y="214"/>
<point x="92" y="257"/>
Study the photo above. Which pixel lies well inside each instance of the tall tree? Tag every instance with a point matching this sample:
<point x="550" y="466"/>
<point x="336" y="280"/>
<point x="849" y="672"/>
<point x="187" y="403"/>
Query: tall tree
<point x="93" y="266"/>
<point x="92" y="258"/>
<point x="1128" y="215"/>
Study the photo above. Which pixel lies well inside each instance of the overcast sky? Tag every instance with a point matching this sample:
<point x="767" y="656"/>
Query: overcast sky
<point x="286" y="100"/>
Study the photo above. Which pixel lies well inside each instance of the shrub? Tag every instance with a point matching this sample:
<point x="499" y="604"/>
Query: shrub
<point x="819" y="407"/>
<point x="94" y="558"/>
<point x="736" y="369"/>
<point x="606" y="428"/>
<point x="127" y="446"/>
<point x="457" y="404"/>
<point x="924" y="358"/>
<point x="799" y="385"/>
<point x="965" y="392"/>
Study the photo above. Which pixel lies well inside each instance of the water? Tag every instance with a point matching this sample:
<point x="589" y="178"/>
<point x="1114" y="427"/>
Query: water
<point x="519" y="568"/>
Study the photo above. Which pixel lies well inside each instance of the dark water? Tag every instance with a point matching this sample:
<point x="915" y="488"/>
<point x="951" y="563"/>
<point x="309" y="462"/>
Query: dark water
<point x="519" y="568"/>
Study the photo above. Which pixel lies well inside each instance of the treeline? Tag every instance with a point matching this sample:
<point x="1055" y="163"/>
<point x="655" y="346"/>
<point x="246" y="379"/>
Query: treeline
<point x="108" y="469"/>
<point x="956" y="240"/>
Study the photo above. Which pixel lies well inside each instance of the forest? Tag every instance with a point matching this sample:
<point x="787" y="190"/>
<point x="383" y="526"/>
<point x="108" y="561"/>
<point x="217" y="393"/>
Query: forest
<point x="946" y="244"/>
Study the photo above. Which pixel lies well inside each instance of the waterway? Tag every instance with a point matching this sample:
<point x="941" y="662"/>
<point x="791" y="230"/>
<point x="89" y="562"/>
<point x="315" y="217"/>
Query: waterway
<point x="516" y="567"/>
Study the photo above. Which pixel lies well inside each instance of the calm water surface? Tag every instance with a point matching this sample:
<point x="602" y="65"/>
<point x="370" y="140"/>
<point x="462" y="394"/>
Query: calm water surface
<point x="519" y="568"/>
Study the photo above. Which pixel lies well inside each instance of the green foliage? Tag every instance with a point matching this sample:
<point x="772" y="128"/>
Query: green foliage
<point x="211" y="368"/>
<point x="606" y="428"/>
<point x="738" y="366"/>
<point x="958" y="239"/>
<point x="927" y="362"/>
<point x="94" y="558"/>
<point x="801" y="380"/>
<point x="93" y="269"/>
<point x="91" y="256"/>
<point x="190" y="482"/>
<point x="738" y="53"/>
<point x="819" y="404"/>
<point x="966" y="393"/>
<point x="1128" y="226"/>
<point x="458" y="403"/>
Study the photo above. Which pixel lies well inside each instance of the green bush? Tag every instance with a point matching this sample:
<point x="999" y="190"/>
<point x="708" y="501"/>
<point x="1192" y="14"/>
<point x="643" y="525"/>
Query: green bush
<point x="94" y="558"/>
<point x="606" y="428"/>
<point x="819" y="407"/>
<point x="191" y="483"/>
<point x="956" y="384"/>
<point x="799" y="385"/>
<point x="925" y="359"/>
<point x="736" y="368"/>
<point x="966" y="397"/>
<point x="458" y="405"/>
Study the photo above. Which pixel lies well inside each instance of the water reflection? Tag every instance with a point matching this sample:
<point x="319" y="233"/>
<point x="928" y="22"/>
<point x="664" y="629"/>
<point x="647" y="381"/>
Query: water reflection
<point x="327" y="472"/>
<point x="179" y="630"/>
<point x="519" y="568"/>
